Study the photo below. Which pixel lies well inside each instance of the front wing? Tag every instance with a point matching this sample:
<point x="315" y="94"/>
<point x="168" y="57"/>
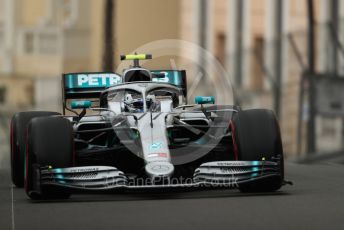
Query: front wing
<point x="227" y="174"/>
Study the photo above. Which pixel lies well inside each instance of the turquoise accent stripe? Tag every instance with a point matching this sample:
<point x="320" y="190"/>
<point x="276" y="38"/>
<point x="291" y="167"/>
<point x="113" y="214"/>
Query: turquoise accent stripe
<point x="70" y="81"/>
<point x="177" y="78"/>
<point x="205" y="100"/>
<point x="255" y="169"/>
<point x="255" y="163"/>
<point x="254" y="174"/>
<point x="60" y="177"/>
<point x="81" y="104"/>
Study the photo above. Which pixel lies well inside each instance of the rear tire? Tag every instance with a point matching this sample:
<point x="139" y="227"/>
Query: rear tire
<point x="49" y="143"/>
<point x="19" y="124"/>
<point x="256" y="135"/>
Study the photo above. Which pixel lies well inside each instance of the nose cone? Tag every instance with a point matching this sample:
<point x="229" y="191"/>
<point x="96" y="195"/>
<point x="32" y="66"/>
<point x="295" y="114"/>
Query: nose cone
<point x="160" y="169"/>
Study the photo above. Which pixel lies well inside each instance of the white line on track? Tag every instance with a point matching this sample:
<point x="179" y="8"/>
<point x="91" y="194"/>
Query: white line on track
<point x="12" y="197"/>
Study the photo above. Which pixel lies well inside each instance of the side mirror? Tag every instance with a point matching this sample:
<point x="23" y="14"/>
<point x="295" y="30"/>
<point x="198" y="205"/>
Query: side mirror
<point x="204" y="100"/>
<point x="81" y="104"/>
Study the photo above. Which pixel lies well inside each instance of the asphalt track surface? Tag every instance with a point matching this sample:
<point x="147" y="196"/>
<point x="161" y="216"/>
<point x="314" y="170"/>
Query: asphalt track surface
<point x="315" y="201"/>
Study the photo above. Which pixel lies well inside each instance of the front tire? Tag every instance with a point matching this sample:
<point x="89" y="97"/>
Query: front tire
<point x="49" y="143"/>
<point x="19" y="124"/>
<point x="256" y="136"/>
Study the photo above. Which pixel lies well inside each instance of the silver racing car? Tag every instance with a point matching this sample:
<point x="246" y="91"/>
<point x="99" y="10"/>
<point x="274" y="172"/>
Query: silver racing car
<point x="137" y="131"/>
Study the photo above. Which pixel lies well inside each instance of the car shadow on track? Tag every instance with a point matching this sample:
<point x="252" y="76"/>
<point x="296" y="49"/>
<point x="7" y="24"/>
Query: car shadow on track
<point x="144" y="196"/>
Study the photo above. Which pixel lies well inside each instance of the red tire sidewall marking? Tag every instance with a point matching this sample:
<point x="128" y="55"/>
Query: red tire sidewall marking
<point x="26" y="182"/>
<point x="235" y="145"/>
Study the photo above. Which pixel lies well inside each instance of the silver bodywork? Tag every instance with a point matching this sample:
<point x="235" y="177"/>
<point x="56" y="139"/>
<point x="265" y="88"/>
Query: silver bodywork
<point x="151" y="125"/>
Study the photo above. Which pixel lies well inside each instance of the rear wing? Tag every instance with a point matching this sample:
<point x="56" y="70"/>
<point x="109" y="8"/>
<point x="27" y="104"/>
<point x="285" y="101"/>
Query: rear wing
<point x="91" y="85"/>
<point x="175" y="77"/>
<point x="86" y="85"/>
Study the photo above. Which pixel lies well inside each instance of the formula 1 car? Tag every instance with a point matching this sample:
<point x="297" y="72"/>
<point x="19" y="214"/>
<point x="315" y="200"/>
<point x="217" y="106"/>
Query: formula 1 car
<point x="137" y="131"/>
